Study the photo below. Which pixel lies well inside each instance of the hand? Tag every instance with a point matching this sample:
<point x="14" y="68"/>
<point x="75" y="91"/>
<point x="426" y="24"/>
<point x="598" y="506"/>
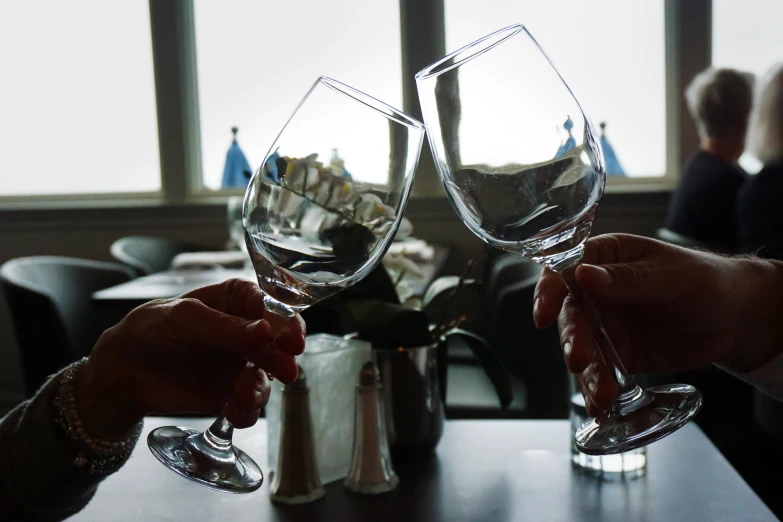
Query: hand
<point x="666" y="308"/>
<point x="198" y="353"/>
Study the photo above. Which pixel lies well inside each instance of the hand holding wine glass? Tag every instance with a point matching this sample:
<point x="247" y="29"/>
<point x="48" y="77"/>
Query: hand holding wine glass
<point x="318" y="216"/>
<point x="666" y="308"/>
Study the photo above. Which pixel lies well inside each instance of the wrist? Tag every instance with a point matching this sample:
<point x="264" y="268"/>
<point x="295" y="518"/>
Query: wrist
<point x="105" y="402"/>
<point x="759" y="331"/>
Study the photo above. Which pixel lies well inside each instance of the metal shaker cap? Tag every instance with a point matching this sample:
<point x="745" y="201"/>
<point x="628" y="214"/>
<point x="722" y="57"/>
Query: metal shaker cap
<point x="369" y="376"/>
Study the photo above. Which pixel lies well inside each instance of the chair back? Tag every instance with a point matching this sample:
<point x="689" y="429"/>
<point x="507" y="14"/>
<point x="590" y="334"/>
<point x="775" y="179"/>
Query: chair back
<point x="55" y="320"/>
<point x="147" y="255"/>
<point x="531" y="354"/>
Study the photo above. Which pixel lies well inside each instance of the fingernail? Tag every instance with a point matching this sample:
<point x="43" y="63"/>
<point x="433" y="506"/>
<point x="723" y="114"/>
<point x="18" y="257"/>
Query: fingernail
<point x="535" y="311"/>
<point x="567" y="348"/>
<point x="592" y="388"/>
<point x="601" y="275"/>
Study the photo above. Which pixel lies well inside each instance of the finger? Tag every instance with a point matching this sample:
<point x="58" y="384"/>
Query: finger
<point x="291" y="338"/>
<point x="599" y="385"/>
<point x="617" y="248"/>
<point x="240" y="416"/>
<point x="576" y="337"/>
<point x="191" y="322"/>
<point x="244" y="408"/>
<point x="589" y="405"/>
<point x="238" y="297"/>
<point x="282" y="365"/>
<point x="548" y="298"/>
<point x="591" y="409"/>
<point x="638" y="282"/>
<point x="278" y="323"/>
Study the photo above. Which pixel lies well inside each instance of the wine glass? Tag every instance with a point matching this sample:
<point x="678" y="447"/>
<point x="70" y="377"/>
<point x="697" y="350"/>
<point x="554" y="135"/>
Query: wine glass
<point x="319" y="214"/>
<point x="523" y="167"/>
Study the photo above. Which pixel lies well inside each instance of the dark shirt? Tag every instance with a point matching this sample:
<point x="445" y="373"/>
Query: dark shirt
<point x="760" y="213"/>
<point x="705" y="201"/>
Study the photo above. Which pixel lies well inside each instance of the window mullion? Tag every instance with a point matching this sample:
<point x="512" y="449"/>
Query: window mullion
<point x="688" y="52"/>
<point x="423" y="40"/>
<point x="176" y="92"/>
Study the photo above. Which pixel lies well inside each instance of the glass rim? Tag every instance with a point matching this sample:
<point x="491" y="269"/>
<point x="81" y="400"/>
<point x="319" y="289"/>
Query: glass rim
<point x="470" y="51"/>
<point x="372" y="102"/>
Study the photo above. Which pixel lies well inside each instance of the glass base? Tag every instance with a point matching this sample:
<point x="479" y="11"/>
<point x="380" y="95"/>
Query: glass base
<point x="213" y="464"/>
<point x="662" y="411"/>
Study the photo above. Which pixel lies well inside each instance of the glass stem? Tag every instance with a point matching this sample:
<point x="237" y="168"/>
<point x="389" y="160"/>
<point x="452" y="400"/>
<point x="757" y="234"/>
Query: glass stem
<point x="219" y="434"/>
<point x="630" y="395"/>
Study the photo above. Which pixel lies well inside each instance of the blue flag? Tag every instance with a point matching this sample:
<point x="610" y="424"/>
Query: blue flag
<point x="237" y="171"/>
<point x="613" y="167"/>
<point x="570" y="143"/>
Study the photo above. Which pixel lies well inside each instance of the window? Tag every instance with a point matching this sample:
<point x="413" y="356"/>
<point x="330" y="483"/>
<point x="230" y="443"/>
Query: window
<point x="610" y="53"/>
<point x="77" y="98"/>
<point x="256" y="60"/>
<point x="747" y="36"/>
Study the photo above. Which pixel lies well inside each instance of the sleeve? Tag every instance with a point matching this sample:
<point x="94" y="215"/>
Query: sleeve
<point x="39" y="480"/>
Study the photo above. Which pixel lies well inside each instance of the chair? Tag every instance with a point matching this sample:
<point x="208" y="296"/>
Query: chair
<point x="147" y="255"/>
<point x="669" y="236"/>
<point x="530" y="354"/>
<point x="50" y="302"/>
<point x="506" y="270"/>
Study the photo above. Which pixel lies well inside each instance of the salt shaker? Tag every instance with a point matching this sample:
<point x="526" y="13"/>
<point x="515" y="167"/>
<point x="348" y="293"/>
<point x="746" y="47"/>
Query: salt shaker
<point x="296" y="480"/>
<point x="371" y="468"/>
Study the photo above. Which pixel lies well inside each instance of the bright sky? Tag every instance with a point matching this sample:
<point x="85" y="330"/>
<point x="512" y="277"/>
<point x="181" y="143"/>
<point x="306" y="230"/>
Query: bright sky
<point x="747" y="36"/>
<point x="77" y="104"/>
<point x="77" y="98"/>
<point x="256" y="60"/>
<point x="611" y="54"/>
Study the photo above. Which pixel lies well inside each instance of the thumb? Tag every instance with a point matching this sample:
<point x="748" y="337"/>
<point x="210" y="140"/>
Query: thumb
<point x="623" y="283"/>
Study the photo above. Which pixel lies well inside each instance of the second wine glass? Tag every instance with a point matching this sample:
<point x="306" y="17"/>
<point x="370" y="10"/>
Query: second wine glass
<point x="318" y="216"/>
<point x="523" y="167"/>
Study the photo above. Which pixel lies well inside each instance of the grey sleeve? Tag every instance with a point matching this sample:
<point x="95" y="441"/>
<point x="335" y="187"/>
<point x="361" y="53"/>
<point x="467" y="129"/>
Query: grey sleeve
<point x="38" y="478"/>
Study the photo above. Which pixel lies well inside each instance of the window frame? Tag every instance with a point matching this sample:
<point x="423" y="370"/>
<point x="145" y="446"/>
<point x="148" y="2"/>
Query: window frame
<point x="688" y="47"/>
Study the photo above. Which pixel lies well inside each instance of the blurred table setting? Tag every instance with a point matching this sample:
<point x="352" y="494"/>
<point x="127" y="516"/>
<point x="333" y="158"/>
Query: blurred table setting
<point x="413" y="263"/>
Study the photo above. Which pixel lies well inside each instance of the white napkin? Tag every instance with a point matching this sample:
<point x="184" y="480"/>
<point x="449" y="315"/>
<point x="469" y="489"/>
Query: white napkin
<point x="226" y="259"/>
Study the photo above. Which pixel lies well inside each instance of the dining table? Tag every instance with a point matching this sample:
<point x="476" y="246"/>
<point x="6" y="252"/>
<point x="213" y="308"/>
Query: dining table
<point x="482" y="470"/>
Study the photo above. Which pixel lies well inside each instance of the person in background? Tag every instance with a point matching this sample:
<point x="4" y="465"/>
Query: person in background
<point x="208" y="349"/>
<point x="759" y="215"/>
<point x="703" y="207"/>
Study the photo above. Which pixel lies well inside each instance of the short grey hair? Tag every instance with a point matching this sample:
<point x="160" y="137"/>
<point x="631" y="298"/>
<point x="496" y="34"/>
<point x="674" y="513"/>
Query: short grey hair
<point x="765" y="132"/>
<point x="719" y="101"/>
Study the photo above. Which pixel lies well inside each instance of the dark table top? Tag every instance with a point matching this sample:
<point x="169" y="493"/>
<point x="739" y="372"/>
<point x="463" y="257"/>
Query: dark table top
<point x="490" y="471"/>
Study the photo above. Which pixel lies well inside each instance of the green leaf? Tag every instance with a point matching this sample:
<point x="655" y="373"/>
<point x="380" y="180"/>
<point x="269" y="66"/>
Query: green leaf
<point x="496" y="370"/>
<point x="386" y="325"/>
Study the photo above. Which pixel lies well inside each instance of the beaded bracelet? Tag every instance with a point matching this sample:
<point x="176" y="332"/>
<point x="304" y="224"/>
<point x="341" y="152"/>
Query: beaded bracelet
<point x="95" y="455"/>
